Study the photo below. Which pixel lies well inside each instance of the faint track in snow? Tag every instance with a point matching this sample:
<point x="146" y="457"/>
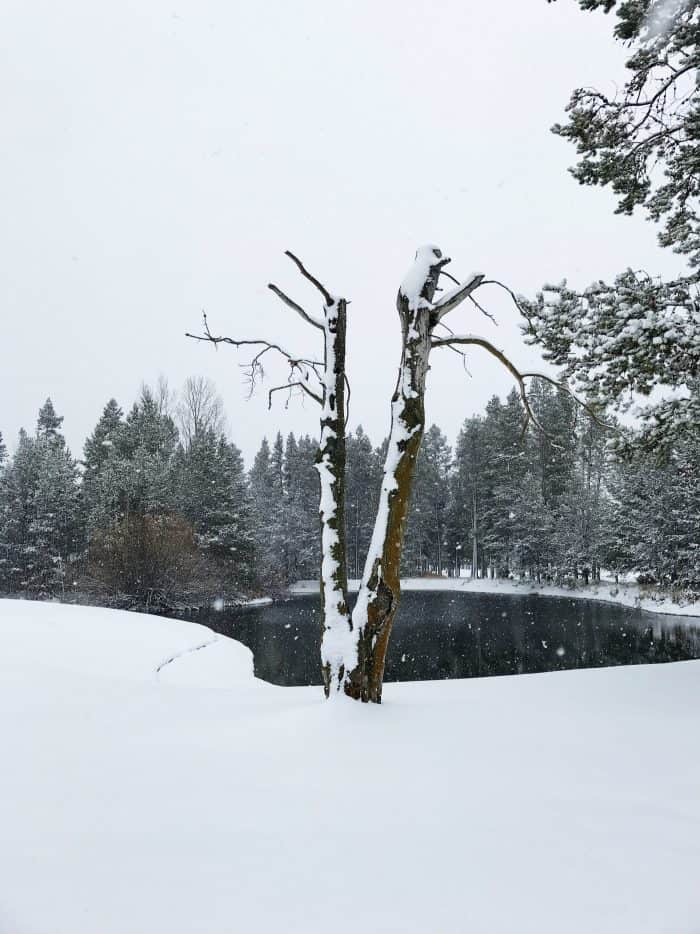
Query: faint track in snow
<point x="190" y="651"/>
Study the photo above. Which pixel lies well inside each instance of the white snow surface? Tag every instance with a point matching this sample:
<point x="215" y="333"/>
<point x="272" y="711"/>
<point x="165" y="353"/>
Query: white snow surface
<point x="199" y="799"/>
<point x="419" y="270"/>
<point x="624" y="594"/>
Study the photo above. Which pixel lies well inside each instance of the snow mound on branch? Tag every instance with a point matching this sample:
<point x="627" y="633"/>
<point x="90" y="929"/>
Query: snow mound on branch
<point x="414" y="280"/>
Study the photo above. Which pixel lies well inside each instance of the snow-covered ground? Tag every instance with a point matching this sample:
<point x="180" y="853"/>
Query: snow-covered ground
<point x="625" y="594"/>
<point x="150" y="784"/>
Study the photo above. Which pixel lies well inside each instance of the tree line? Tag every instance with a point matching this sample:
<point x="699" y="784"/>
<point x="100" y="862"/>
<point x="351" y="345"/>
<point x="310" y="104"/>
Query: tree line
<point x="161" y="509"/>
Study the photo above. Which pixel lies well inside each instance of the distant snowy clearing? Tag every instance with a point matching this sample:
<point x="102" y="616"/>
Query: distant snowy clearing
<point x="151" y="784"/>
<point x="606" y="591"/>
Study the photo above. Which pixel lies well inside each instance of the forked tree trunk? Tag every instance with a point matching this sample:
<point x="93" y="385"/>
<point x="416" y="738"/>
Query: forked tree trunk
<point x="353" y="648"/>
<point x="379" y="593"/>
<point x="337" y="639"/>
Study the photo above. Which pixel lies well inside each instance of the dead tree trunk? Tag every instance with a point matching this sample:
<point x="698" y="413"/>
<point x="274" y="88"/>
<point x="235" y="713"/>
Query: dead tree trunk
<point x="324" y="382"/>
<point x="353" y="649"/>
<point x="378" y="597"/>
<point x="337" y="641"/>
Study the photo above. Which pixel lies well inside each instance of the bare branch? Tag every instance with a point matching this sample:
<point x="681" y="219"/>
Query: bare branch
<point x="461" y="353"/>
<point x="477" y="341"/>
<point x="291" y="386"/>
<point x="564" y="388"/>
<point x="310" y="319"/>
<point x="483" y="311"/>
<point x="520" y="377"/>
<point x="302" y="365"/>
<point x="266" y="345"/>
<point x="457" y="295"/>
<point x="448" y="275"/>
<point x="512" y="294"/>
<point x="443" y="272"/>
<point x="327" y="297"/>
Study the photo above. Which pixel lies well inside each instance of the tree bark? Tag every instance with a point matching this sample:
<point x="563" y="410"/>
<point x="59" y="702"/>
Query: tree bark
<point x="379" y="593"/>
<point x="337" y="641"/>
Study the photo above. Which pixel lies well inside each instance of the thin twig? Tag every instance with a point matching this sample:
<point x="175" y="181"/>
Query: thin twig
<point x="290" y="386"/>
<point x="451" y="299"/>
<point x="477" y="341"/>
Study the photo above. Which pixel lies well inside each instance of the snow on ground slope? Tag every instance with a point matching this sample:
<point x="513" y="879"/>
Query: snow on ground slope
<point x="199" y="799"/>
<point x="625" y="594"/>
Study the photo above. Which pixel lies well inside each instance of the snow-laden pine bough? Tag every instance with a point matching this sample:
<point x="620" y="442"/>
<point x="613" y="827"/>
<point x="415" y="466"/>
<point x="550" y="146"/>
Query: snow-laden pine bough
<point x="354" y="645"/>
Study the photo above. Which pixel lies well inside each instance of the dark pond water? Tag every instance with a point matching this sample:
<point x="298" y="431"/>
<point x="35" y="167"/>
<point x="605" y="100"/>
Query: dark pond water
<point x="441" y="635"/>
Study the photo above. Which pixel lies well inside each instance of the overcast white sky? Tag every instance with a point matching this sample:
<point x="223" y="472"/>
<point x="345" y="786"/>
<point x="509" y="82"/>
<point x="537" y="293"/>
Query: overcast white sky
<point x="157" y="158"/>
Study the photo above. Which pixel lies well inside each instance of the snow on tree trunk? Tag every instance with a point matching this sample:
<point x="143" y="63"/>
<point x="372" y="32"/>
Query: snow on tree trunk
<point x="379" y="593"/>
<point x="338" y="643"/>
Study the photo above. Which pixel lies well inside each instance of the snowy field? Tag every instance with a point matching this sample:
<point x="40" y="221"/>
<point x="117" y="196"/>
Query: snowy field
<point x="150" y="784"/>
<point x="625" y="594"/>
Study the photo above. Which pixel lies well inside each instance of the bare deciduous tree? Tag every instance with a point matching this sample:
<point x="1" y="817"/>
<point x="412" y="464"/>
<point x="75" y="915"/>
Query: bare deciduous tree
<point x="200" y="409"/>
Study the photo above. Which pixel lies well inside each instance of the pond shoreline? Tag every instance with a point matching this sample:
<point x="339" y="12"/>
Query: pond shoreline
<point x="625" y="594"/>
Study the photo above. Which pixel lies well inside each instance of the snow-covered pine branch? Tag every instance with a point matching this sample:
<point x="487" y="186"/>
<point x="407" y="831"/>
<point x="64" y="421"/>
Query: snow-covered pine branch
<point x="618" y="344"/>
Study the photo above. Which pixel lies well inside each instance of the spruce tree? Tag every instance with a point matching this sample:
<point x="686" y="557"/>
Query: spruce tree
<point x="48" y="426"/>
<point x="39" y="507"/>
<point x="504" y="471"/>
<point x="426" y="543"/>
<point x="212" y="494"/>
<point x="363" y="478"/>
<point x="468" y="492"/>
<point x="267" y="511"/>
<point x="98" y="455"/>
<point x="16" y="508"/>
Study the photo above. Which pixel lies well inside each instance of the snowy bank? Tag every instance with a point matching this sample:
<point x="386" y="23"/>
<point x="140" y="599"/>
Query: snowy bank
<point x="624" y="594"/>
<point x="150" y="783"/>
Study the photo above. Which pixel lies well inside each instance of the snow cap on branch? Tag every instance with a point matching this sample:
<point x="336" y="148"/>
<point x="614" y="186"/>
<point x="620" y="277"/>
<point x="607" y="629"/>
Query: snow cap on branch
<point x="421" y="278"/>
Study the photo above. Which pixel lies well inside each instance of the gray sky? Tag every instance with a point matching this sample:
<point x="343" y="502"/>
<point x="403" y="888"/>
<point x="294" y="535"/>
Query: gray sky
<point x="157" y="158"/>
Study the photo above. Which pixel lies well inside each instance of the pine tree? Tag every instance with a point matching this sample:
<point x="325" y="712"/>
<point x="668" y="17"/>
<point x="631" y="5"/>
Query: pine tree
<point x="39" y="508"/>
<point x="213" y="495"/>
<point x="16" y="511"/>
<point x="581" y="508"/>
<point x="363" y="478"/>
<point x="467" y="492"/>
<point x="144" y="450"/>
<point x="644" y="142"/>
<point x="96" y="462"/>
<point x="638" y="335"/>
<point x="503" y="472"/>
<point x="278" y="521"/>
<point x="655" y="517"/>
<point x="426" y="544"/>
<point x="48" y="426"/>
<point x="102" y="440"/>
<point x="267" y="510"/>
<point x="301" y="530"/>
